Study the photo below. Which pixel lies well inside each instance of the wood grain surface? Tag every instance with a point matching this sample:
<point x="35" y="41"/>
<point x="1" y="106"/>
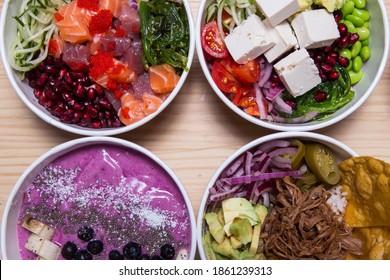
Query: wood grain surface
<point x="193" y="135"/>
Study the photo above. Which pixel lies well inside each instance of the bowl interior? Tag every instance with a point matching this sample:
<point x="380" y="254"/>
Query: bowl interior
<point x="373" y="69"/>
<point x="9" y="238"/>
<point x="341" y="151"/>
<point x="8" y="27"/>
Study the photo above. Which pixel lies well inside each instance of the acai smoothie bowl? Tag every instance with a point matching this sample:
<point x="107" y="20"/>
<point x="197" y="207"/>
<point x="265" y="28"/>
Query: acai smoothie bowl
<point x="98" y="198"/>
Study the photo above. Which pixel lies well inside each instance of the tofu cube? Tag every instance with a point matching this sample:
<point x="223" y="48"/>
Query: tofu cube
<point x="278" y="11"/>
<point x="34" y="243"/>
<point x="284" y="38"/>
<point x="249" y="40"/>
<point x="315" y="29"/>
<point x="298" y="72"/>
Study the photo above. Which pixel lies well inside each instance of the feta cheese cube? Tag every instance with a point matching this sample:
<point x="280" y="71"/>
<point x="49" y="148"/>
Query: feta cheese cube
<point x="278" y="11"/>
<point x="298" y="72"/>
<point x="248" y="40"/>
<point x="315" y="29"/>
<point x="285" y="40"/>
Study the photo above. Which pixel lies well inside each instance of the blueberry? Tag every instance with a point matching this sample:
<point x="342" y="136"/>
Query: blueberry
<point x="167" y="252"/>
<point x="115" y="255"/>
<point x="83" y="255"/>
<point x="86" y="233"/>
<point x="144" y="257"/>
<point x="156" y="257"/>
<point x="95" y="247"/>
<point x="132" y="251"/>
<point x="69" y="250"/>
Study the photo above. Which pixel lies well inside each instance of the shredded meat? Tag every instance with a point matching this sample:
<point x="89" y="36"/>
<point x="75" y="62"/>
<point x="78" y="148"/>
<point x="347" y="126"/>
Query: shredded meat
<point x="302" y="226"/>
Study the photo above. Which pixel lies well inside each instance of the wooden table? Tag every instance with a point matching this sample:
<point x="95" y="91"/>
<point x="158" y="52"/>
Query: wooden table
<point x="193" y="135"/>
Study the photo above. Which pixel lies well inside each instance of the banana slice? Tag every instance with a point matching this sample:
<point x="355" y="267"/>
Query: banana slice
<point x="37" y="227"/>
<point x="182" y="255"/>
<point x="34" y="243"/>
<point x="49" y="250"/>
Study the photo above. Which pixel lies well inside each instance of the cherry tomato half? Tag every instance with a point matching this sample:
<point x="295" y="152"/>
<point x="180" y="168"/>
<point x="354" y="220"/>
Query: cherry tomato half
<point x="224" y="79"/>
<point x="212" y="41"/>
<point x="248" y="72"/>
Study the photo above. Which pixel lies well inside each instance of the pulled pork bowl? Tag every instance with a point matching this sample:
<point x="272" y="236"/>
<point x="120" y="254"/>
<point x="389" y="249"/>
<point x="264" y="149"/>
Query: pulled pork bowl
<point x="279" y="197"/>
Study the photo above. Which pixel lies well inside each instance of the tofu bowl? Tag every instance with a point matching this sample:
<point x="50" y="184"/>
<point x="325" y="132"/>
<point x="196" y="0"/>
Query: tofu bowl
<point x="93" y="70"/>
<point x="285" y="176"/>
<point x="98" y="198"/>
<point x="292" y="65"/>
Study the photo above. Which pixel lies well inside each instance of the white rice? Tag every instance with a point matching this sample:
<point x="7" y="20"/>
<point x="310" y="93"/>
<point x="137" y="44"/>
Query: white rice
<point x="337" y="200"/>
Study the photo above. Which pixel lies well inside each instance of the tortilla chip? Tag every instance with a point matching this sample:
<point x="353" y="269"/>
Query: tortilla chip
<point x="366" y="181"/>
<point x="376" y="243"/>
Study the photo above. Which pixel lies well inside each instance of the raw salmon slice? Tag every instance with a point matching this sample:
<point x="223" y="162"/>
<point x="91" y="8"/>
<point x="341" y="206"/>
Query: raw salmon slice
<point x="72" y="23"/>
<point x="131" y="110"/>
<point x="163" y="78"/>
<point x="113" y="5"/>
<point x="151" y="103"/>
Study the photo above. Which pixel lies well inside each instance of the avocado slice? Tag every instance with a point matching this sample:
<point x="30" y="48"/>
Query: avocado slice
<point x="207" y="240"/>
<point x="261" y="211"/>
<point x="236" y="244"/>
<point x="215" y="227"/>
<point x="242" y="230"/>
<point x="255" y="239"/>
<point x="225" y="249"/>
<point x="239" y="207"/>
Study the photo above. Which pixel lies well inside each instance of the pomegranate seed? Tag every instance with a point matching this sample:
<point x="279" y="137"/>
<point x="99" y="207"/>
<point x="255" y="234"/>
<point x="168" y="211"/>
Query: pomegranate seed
<point x="354" y="37"/>
<point x="342" y="42"/>
<point x="323" y="76"/>
<point x="328" y="49"/>
<point x="71" y="96"/>
<point x="343" y="61"/>
<point x="78" y="107"/>
<point x="96" y="124"/>
<point x="338" y="15"/>
<point x="334" y="54"/>
<point x="292" y="104"/>
<point x="275" y="78"/>
<point x="326" y="67"/>
<point x="318" y="58"/>
<point x="333" y="76"/>
<point x="92" y="111"/>
<point x="343" y="29"/>
<point x="91" y="93"/>
<point x="320" y="96"/>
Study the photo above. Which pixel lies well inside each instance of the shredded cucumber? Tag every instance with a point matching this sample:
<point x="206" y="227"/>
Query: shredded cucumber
<point x="239" y="10"/>
<point x="34" y="30"/>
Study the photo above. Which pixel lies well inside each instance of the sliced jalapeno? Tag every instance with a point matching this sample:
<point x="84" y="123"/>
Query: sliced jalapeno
<point x="299" y="155"/>
<point x="322" y="162"/>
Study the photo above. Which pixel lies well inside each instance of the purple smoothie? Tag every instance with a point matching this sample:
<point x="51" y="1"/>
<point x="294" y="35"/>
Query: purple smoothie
<point x="122" y="194"/>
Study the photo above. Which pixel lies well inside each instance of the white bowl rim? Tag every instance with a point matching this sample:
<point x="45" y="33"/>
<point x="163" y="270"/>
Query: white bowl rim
<point x="293" y="127"/>
<point x="270" y="137"/>
<point x="89" y="131"/>
<point x="87" y="141"/>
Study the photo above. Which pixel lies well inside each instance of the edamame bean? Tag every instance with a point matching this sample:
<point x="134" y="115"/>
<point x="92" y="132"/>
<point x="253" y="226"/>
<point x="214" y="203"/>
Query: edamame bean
<point x="355" y="49"/>
<point x="365" y="53"/>
<point x="357" y="64"/>
<point x="348" y="8"/>
<point x="363" y="32"/>
<point x="350" y="26"/>
<point x="355" y="77"/>
<point x="366" y="42"/>
<point x="357" y="21"/>
<point x="346" y="53"/>
<point x="360" y="4"/>
<point x="363" y="14"/>
<point x="366" y="24"/>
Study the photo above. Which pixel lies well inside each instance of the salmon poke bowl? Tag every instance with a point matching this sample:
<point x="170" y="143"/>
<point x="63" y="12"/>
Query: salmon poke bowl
<point x="296" y="196"/>
<point x="97" y="67"/>
<point x="98" y="198"/>
<point x="292" y="65"/>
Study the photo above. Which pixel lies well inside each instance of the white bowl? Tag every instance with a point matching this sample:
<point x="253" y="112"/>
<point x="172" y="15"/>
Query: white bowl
<point x="9" y="238"/>
<point x="373" y="69"/>
<point x="25" y="92"/>
<point x="341" y="151"/>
